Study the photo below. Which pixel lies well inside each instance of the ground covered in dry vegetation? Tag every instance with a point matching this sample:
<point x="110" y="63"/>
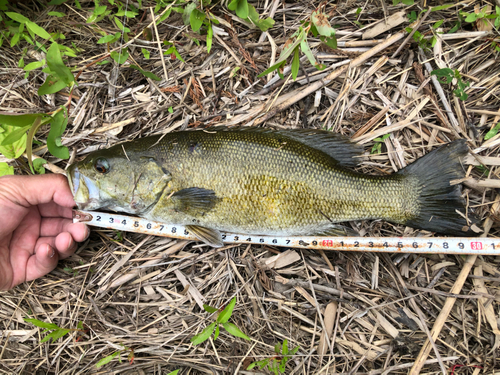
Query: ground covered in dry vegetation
<point x="141" y="297"/>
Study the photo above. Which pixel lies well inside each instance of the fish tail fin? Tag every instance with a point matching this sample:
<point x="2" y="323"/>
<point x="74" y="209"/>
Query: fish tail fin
<point x="440" y="205"/>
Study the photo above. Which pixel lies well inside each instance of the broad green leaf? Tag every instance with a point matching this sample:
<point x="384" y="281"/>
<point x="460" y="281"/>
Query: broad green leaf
<point x="17" y="17"/>
<point x="40" y="31"/>
<point x="15" y="149"/>
<point x="207" y="308"/>
<point x="106" y="360"/>
<point x="120" y="26"/>
<point x="471" y="17"/>
<point x="146" y="53"/>
<point x="12" y="135"/>
<point x="19" y="120"/>
<point x="210" y="35"/>
<point x="446" y="73"/>
<point x="15" y="39"/>
<point x="437" y="24"/>
<point x="329" y="41"/>
<point x="57" y="128"/>
<point x="204" y="335"/>
<point x="252" y="14"/>
<point x="196" y="19"/>
<point x="109" y="38"/>
<point x="56" y="65"/>
<point x="294" y="350"/>
<point x="51" y="85"/>
<point x="41" y="324"/>
<point x="171" y="110"/>
<point x="34" y="65"/>
<point x="216" y="334"/>
<point x="285" y="347"/>
<point x="175" y="372"/>
<point x="233" y="5"/>
<point x="6" y="169"/>
<point x="295" y="64"/>
<point x="235" y="331"/>
<point x="146" y="73"/>
<point x="98" y="10"/>
<point x="120" y="56"/>
<point x="320" y="21"/>
<point x="227" y="312"/>
<point x="242" y="9"/>
<point x="188" y="9"/>
<point x="57" y="14"/>
<point x="265" y="24"/>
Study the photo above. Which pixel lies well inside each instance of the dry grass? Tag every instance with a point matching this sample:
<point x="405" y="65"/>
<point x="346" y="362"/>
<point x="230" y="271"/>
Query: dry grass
<point x="380" y="309"/>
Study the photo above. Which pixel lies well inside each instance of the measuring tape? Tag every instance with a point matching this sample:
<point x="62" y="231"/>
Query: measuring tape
<point x="423" y="245"/>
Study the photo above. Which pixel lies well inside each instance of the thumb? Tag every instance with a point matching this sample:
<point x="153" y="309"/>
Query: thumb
<point x="34" y="190"/>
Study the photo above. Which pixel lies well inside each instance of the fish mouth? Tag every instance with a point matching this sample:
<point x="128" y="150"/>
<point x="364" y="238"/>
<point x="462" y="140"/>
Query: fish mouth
<point x="85" y="191"/>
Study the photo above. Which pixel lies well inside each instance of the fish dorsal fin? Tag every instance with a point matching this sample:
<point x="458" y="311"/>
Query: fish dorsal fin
<point x="211" y="237"/>
<point x="337" y="146"/>
<point x="194" y="199"/>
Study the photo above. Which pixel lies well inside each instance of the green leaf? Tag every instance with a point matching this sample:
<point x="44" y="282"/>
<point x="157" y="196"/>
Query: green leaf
<point x="6" y="169"/>
<point x="304" y="46"/>
<point x="17" y="17"/>
<point x="446" y="73"/>
<point x="216" y="334"/>
<point x="320" y="21"/>
<point x="242" y="9"/>
<point x="196" y="19"/>
<point x="442" y="7"/>
<point x="51" y="85"/>
<point x="285" y="347"/>
<point x="146" y="73"/>
<point x="57" y="128"/>
<point x="98" y="10"/>
<point x="265" y="24"/>
<point x="471" y="17"/>
<point x="121" y="56"/>
<point x="207" y="308"/>
<point x="121" y="26"/>
<point x="41" y="324"/>
<point x="12" y="135"/>
<point x="15" y="39"/>
<point x="227" y="312"/>
<point x="188" y="9"/>
<point x="110" y="38"/>
<point x="40" y="31"/>
<point x="20" y="120"/>
<point x="56" y="335"/>
<point x="173" y="372"/>
<point x="15" y="149"/>
<point x="106" y="360"/>
<point x="204" y="335"/>
<point x="56" y="65"/>
<point x="235" y="331"/>
<point x="171" y="110"/>
<point x="295" y="64"/>
<point x="437" y="24"/>
<point x="294" y="350"/>
<point x="146" y="53"/>
<point x="56" y="2"/>
<point x="56" y="14"/>
<point x="34" y="65"/>
<point x="210" y="35"/>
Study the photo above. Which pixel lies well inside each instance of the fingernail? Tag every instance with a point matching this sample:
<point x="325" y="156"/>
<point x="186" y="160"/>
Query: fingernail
<point x="87" y="231"/>
<point x="51" y="252"/>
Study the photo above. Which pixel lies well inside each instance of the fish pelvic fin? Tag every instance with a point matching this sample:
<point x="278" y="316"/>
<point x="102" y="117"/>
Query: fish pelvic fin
<point x="210" y="236"/>
<point x="441" y="208"/>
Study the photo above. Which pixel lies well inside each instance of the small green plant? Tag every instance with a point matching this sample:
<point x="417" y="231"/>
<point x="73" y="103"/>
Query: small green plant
<point x="377" y="147"/>
<point x="448" y="75"/>
<point x="222" y="319"/>
<point x="109" y="358"/>
<point x="57" y="332"/>
<point x="483" y="15"/>
<point x="276" y="364"/>
<point x="248" y="13"/>
<point x="318" y="25"/>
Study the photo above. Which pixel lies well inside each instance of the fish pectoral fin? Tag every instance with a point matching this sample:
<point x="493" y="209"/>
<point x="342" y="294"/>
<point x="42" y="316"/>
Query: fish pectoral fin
<point x="337" y="230"/>
<point x="194" y="198"/>
<point x="210" y="236"/>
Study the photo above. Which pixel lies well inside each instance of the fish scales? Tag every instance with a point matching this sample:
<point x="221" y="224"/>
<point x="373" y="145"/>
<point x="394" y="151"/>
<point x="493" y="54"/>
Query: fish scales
<point x="250" y="182"/>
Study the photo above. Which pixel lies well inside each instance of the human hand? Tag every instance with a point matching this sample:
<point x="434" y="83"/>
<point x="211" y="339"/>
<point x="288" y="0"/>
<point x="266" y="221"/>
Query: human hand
<point x="36" y="226"/>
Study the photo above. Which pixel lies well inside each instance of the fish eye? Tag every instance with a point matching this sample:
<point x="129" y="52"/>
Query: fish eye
<point x="101" y="165"/>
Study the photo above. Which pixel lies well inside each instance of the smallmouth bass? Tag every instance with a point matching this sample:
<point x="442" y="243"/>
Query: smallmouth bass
<point x="265" y="182"/>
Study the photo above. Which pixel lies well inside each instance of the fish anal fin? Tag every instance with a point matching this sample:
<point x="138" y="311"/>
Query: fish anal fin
<point x="210" y="236"/>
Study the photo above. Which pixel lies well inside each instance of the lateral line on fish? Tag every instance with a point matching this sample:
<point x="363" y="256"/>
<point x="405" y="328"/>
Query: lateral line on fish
<point x="421" y="245"/>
